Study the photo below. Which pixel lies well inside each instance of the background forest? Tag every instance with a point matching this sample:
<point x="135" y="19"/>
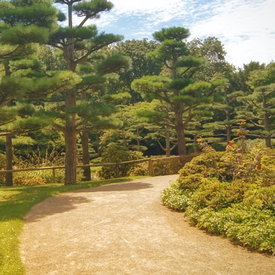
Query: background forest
<point x="69" y="94"/>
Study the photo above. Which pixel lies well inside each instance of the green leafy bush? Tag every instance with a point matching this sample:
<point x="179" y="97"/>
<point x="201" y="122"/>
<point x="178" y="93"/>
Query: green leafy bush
<point x="2" y="166"/>
<point x="166" y="167"/>
<point x="28" y="180"/>
<point x="171" y="166"/>
<point x="115" y="154"/>
<point x="175" y="198"/>
<point x="250" y="227"/>
<point x="262" y="198"/>
<point x="217" y="195"/>
<point x="192" y="182"/>
<point x="231" y="193"/>
<point x="38" y="177"/>
<point x="139" y="169"/>
<point x="208" y="164"/>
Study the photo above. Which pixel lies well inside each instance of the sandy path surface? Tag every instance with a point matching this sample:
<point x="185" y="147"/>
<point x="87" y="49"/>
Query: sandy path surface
<point x="123" y="228"/>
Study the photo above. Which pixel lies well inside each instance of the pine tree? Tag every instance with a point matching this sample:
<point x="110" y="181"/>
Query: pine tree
<point x="259" y="106"/>
<point x="178" y="90"/>
<point x="141" y="65"/>
<point x="78" y="43"/>
<point x="97" y="104"/>
<point x="21" y="22"/>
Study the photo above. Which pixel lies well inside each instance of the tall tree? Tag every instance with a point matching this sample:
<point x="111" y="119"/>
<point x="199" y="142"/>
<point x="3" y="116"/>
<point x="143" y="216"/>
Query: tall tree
<point x="27" y="84"/>
<point x="78" y="44"/>
<point x="240" y="76"/>
<point x="141" y="65"/>
<point x="99" y="104"/>
<point x="224" y="120"/>
<point x="259" y="106"/>
<point x="160" y="117"/>
<point x="21" y="23"/>
<point x="178" y="90"/>
<point x="213" y="50"/>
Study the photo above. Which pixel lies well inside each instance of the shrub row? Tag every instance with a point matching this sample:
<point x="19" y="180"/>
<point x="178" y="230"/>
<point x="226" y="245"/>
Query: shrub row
<point x="230" y="193"/>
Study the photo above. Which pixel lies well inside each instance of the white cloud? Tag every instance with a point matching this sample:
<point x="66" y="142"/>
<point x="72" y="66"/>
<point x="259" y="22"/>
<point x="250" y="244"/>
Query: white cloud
<point x="137" y="7"/>
<point x="150" y="13"/>
<point x="247" y="29"/>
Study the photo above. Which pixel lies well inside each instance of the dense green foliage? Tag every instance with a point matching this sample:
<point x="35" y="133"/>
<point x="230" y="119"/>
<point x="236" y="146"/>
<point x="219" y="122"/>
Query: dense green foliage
<point x="231" y="193"/>
<point x="68" y="85"/>
<point x="177" y="88"/>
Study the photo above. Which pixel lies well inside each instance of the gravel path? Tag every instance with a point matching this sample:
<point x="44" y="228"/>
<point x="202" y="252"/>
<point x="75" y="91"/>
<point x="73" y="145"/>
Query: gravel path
<point x="123" y="228"/>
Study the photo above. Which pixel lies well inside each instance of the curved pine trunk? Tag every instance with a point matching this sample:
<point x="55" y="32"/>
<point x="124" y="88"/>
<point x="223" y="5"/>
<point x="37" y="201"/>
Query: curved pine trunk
<point x="181" y="142"/>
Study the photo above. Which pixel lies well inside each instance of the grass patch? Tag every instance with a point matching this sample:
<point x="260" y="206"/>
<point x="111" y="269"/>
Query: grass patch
<point x="15" y="203"/>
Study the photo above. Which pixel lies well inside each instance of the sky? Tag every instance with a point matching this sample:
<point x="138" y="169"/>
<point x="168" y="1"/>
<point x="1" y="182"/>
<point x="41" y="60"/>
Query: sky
<point x="246" y="28"/>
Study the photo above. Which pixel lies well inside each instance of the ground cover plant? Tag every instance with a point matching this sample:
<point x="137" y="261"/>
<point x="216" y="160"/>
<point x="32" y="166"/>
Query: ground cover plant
<point x="230" y="193"/>
<point x="15" y="202"/>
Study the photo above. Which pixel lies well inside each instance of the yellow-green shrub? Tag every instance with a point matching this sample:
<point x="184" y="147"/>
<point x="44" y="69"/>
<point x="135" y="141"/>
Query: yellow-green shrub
<point x="23" y="180"/>
<point x="217" y="195"/>
<point x="263" y="198"/>
<point x="171" y="166"/>
<point x="231" y="193"/>
<point x="114" y="154"/>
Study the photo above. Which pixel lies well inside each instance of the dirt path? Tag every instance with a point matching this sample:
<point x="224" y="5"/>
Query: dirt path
<point x="123" y="228"/>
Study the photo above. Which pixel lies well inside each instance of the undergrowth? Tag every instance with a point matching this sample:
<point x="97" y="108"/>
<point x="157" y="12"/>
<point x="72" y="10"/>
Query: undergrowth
<point x="230" y="193"/>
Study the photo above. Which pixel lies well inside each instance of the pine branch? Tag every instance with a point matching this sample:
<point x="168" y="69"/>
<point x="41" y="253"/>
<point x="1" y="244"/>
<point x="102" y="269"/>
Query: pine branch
<point x="59" y="127"/>
<point x="256" y="124"/>
<point x="83" y="21"/>
<point x="161" y="146"/>
<point x="11" y="54"/>
<point x="174" y="146"/>
<point x="188" y="118"/>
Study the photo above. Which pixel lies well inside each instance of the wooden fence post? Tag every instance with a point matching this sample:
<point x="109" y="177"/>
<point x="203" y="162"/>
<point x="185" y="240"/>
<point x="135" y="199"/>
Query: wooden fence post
<point x="53" y="175"/>
<point x="117" y="170"/>
<point x="151" y="167"/>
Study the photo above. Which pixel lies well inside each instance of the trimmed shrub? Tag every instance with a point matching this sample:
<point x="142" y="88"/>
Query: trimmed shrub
<point x="250" y="227"/>
<point x="192" y="182"/>
<point x="262" y="198"/>
<point x="171" y="166"/>
<point x="114" y="154"/>
<point x="231" y="193"/>
<point x="175" y="198"/>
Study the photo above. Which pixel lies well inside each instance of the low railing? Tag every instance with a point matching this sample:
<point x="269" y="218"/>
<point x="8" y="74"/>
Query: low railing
<point x="116" y="165"/>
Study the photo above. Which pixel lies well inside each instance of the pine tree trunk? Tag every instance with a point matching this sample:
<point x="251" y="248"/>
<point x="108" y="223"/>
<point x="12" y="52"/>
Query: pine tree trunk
<point x="268" y="141"/>
<point x="228" y="127"/>
<point x="85" y="155"/>
<point x="181" y="142"/>
<point x="85" y="148"/>
<point x="180" y="133"/>
<point x="9" y="181"/>
<point x="70" y="127"/>
<point x="70" y="141"/>
<point x="168" y="146"/>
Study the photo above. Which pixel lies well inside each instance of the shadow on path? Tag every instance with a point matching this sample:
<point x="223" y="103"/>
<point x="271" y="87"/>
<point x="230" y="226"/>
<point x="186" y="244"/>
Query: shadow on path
<point x="55" y="205"/>
<point x="70" y="200"/>
<point x="128" y="186"/>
